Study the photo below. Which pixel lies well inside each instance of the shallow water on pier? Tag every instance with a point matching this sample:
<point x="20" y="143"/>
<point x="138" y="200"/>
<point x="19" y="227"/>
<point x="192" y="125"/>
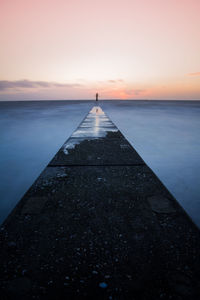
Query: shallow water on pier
<point x="166" y="134"/>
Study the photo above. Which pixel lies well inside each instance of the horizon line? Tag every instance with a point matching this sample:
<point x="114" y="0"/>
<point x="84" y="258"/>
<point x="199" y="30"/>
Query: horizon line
<point x="98" y="100"/>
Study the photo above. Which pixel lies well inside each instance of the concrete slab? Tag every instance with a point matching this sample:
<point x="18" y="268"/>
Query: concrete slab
<point x="97" y="237"/>
<point x="160" y="204"/>
<point x="96" y="132"/>
<point x="91" y="123"/>
<point x="95" y="125"/>
<point x="97" y="141"/>
<point x="99" y="151"/>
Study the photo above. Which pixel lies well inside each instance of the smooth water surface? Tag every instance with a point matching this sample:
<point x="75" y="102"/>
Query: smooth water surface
<point x="31" y="133"/>
<point x="166" y="134"/>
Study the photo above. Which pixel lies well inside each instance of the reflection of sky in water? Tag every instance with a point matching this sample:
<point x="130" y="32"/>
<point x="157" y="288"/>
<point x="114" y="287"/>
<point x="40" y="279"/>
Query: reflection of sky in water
<point x="97" y="111"/>
<point x="95" y="125"/>
<point x="166" y="135"/>
<point x="97" y="121"/>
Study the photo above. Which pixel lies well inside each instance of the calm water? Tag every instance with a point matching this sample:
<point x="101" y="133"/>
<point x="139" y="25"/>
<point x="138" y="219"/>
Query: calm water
<point x="166" y="134"/>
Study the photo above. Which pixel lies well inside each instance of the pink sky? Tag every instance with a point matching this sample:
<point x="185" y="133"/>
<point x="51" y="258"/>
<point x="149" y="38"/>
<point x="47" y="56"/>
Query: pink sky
<point x="125" y="49"/>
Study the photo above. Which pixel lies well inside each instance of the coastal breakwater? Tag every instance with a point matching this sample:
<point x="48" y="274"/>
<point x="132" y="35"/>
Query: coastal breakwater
<point x="99" y="224"/>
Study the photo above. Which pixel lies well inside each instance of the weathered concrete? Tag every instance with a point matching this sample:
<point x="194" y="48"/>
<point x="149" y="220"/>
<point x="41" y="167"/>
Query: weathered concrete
<point x="98" y="224"/>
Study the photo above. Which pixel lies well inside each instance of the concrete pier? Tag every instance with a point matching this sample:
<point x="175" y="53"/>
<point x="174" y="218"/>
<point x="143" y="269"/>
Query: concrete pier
<point x="98" y="224"/>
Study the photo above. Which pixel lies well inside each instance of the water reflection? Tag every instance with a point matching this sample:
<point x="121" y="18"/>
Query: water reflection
<point x="96" y="110"/>
<point x="95" y="125"/>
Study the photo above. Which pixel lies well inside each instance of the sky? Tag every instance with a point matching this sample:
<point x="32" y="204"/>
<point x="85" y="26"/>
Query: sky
<point x="124" y="49"/>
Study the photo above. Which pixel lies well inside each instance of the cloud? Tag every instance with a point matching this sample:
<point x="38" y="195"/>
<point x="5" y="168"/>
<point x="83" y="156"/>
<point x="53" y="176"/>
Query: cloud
<point x="194" y="74"/>
<point x="125" y="93"/>
<point x="27" y="84"/>
<point x="115" y="81"/>
<point x="134" y="92"/>
<point x="139" y="91"/>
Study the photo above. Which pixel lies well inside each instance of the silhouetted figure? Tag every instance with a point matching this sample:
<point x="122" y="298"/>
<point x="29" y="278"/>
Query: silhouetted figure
<point x="97" y="96"/>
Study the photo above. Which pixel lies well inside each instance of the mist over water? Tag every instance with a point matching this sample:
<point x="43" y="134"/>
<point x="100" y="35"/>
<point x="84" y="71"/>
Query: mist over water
<point x="31" y="133"/>
<point x="166" y="134"/>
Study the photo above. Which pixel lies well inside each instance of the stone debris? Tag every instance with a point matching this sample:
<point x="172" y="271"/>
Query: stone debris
<point x="103" y="285"/>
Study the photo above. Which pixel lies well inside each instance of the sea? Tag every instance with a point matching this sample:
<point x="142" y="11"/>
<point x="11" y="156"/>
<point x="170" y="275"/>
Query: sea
<point x="166" y="134"/>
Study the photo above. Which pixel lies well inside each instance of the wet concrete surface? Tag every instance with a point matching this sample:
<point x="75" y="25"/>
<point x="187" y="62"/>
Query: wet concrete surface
<point x="97" y="225"/>
<point x="112" y="150"/>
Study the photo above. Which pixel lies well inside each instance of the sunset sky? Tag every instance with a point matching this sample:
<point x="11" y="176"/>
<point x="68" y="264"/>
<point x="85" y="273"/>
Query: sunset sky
<point x="124" y="49"/>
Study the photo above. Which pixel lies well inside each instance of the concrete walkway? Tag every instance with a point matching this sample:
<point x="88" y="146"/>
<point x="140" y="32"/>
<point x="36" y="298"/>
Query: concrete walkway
<point x="98" y="224"/>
